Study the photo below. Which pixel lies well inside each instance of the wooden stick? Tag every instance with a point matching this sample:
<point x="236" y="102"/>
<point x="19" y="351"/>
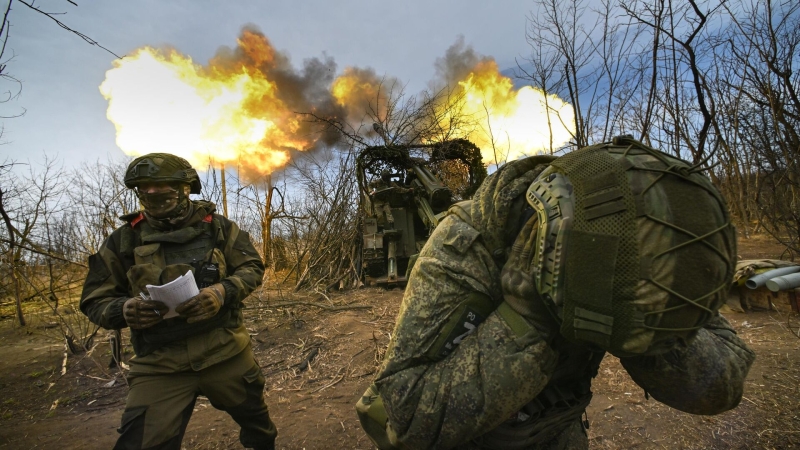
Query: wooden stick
<point x="327" y="308"/>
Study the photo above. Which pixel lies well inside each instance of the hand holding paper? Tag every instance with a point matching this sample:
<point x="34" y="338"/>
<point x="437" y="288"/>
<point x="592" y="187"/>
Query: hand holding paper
<point x="205" y="305"/>
<point x="175" y="292"/>
<point x="140" y="313"/>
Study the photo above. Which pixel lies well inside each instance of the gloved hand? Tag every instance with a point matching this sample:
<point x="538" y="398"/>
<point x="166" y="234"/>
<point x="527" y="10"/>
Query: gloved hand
<point x="519" y="285"/>
<point x="204" y="305"/>
<point x="140" y="313"/>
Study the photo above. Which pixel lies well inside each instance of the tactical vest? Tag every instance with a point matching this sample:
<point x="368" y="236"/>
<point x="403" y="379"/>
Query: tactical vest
<point x="160" y="257"/>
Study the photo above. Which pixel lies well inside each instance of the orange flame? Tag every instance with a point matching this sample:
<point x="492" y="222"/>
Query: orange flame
<point x="228" y="112"/>
<point x="241" y="108"/>
<point x="512" y="122"/>
<point x="504" y="122"/>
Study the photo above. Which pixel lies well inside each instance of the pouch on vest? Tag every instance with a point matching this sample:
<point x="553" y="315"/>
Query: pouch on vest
<point x="174" y="271"/>
<point x="147" y="254"/>
<point x="140" y="275"/>
<point x="374" y="420"/>
<point x="219" y="259"/>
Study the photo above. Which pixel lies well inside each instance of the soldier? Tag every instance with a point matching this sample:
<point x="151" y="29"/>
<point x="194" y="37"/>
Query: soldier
<point x="518" y="295"/>
<point x="206" y="349"/>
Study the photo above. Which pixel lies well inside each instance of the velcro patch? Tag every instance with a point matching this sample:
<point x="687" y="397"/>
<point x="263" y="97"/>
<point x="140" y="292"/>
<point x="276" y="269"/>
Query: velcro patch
<point x="466" y="324"/>
<point x="460" y="237"/>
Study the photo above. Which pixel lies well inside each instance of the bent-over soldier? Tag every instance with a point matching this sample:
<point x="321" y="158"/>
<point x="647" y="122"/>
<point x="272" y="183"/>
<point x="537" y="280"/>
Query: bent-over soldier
<point x="519" y="294"/>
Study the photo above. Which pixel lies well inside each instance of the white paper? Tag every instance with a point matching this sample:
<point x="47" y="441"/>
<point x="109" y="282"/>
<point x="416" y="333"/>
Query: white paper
<point x="175" y="292"/>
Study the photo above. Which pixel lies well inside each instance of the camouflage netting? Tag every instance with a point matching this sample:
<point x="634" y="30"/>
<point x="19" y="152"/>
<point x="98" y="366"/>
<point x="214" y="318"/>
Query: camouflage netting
<point x="442" y="158"/>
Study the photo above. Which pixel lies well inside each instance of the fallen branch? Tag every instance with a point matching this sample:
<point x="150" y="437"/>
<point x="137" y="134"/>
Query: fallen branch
<point x="100" y="406"/>
<point x="343" y="370"/>
<point x="272" y="364"/>
<point x="303" y="365"/>
<point x="66" y="352"/>
<point x="327" y="308"/>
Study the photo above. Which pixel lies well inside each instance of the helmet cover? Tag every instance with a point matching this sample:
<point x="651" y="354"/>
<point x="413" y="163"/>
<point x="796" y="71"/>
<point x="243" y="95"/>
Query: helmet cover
<point x="161" y="167"/>
<point x="635" y="248"/>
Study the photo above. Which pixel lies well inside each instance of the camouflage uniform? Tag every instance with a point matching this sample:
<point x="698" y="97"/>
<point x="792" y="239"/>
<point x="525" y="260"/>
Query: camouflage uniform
<point x="464" y="371"/>
<point x="176" y="361"/>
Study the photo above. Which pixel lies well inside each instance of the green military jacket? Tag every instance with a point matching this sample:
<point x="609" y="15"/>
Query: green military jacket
<point x="136" y="254"/>
<point x="460" y="366"/>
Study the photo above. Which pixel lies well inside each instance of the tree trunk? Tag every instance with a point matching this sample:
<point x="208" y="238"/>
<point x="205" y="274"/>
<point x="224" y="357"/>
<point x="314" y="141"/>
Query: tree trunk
<point x="266" y="226"/>
<point x="224" y="191"/>
<point x="12" y="262"/>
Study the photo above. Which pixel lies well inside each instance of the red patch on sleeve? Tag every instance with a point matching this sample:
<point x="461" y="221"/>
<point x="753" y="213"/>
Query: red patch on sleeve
<point x="208" y="218"/>
<point x="138" y="219"/>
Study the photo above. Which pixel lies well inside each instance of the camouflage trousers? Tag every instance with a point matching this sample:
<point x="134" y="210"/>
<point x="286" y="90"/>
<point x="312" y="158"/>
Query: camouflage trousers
<point x="159" y="406"/>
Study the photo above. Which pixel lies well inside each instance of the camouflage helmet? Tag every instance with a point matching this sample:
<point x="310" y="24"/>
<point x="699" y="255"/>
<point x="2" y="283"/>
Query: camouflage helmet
<point x="635" y="248"/>
<point x="163" y="167"/>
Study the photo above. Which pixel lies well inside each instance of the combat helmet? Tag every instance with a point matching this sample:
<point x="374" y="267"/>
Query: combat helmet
<point x="635" y="248"/>
<point x="161" y="167"/>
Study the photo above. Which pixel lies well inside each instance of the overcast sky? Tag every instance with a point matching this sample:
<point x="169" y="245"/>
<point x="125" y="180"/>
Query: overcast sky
<point x="65" y="114"/>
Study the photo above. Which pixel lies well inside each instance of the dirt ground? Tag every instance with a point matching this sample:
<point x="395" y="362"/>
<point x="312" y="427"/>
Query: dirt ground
<point x="319" y="354"/>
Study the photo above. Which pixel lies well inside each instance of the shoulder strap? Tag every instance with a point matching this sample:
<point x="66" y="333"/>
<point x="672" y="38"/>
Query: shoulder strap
<point x="129" y="240"/>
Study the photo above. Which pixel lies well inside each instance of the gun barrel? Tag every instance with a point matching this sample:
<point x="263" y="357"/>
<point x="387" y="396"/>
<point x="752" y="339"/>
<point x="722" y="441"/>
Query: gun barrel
<point x="784" y="282"/>
<point x="438" y="194"/>
<point x="426" y="212"/>
<point x="761" y="279"/>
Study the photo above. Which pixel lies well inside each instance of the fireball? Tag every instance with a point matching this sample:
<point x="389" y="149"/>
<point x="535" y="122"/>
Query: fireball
<point x="241" y="107"/>
<point x="504" y="122"/>
<point x="226" y="112"/>
<point x="513" y="122"/>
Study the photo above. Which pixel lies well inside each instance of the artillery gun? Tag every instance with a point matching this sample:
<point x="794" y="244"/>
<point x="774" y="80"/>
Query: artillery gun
<point x="405" y="190"/>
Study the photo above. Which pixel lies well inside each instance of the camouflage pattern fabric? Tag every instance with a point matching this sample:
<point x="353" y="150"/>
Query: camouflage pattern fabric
<point x="108" y="283"/>
<point x="572" y="437"/>
<point x="488" y="377"/>
<point x="499" y="201"/>
<point x="704" y="376"/>
<point x="446" y="399"/>
<point x="217" y="361"/>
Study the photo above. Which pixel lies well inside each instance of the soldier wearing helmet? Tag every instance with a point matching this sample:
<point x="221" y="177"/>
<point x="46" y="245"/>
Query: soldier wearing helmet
<point x="205" y="349"/>
<point x="520" y="293"/>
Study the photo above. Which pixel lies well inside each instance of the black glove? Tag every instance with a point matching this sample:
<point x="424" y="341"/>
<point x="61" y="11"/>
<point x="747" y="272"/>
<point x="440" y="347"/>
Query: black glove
<point x="204" y="305"/>
<point x="519" y="284"/>
<point x="140" y="313"/>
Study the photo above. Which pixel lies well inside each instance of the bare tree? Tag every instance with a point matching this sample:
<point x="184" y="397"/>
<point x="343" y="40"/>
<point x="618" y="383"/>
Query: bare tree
<point x="321" y="224"/>
<point x="712" y="81"/>
<point x="762" y="45"/>
<point x="98" y="196"/>
<point x="589" y="57"/>
<point x="11" y="251"/>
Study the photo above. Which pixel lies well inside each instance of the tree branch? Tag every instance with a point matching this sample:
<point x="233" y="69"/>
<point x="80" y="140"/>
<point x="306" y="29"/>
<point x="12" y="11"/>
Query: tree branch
<point x="66" y="27"/>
